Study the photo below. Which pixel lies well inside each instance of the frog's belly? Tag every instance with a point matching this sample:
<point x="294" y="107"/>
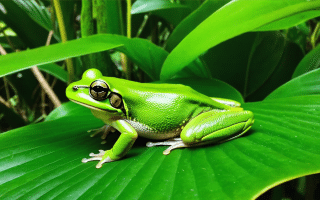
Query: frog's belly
<point x="147" y="132"/>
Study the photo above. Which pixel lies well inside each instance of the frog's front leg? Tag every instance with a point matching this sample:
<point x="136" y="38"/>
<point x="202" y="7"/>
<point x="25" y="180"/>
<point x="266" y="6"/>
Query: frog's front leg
<point x="120" y="148"/>
<point x="212" y="127"/>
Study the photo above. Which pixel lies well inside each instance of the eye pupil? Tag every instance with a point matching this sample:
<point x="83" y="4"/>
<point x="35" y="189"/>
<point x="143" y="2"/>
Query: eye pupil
<point x="99" y="89"/>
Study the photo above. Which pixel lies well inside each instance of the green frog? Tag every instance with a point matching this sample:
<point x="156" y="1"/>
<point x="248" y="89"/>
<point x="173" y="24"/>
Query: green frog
<point x="172" y="112"/>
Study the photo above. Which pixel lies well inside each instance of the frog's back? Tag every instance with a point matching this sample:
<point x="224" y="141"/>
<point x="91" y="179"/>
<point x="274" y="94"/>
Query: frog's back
<point x="163" y="108"/>
<point x="141" y="91"/>
<point x="145" y="94"/>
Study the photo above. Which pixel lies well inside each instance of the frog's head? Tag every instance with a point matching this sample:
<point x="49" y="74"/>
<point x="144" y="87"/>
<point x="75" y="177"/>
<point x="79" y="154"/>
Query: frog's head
<point x="93" y="91"/>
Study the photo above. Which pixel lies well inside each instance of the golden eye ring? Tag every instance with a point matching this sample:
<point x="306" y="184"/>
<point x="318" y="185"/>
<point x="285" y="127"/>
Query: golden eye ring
<point x="115" y="100"/>
<point x="99" y="90"/>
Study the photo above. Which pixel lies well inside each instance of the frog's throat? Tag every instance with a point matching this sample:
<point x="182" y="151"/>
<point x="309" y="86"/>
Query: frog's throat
<point x="92" y="107"/>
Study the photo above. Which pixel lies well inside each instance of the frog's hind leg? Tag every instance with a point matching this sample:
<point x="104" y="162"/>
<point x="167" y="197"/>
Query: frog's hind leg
<point x="173" y="143"/>
<point x="227" y="102"/>
<point x="210" y="127"/>
<point x="217" y="127"/>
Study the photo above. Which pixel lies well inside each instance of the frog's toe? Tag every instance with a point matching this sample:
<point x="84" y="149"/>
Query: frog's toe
<point x="163" y="143"/>
<point x="176" y="145"/>
<point x="100" y="154"/>
<point x="94" y="156"/>
<point x="106" y="160"/>
<point x="84" y="160"/>
<point x="173" y="143"/>
<point x="102" y="157"/>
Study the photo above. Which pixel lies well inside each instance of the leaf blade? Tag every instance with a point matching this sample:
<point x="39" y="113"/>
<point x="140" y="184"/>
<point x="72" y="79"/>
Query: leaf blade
<point x="218" y="28"/>
<point x="273" y="152"/>
<point x="14" y="62"/>
<point x="310" y="62"/>
<point x="306" y="84"/>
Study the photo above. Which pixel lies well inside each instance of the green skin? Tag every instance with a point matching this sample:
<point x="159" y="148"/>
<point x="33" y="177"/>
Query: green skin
<point x="159" y="111"/>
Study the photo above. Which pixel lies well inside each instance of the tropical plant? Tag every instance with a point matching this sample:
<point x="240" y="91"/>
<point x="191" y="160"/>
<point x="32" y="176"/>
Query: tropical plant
<point x="263" y="54"/>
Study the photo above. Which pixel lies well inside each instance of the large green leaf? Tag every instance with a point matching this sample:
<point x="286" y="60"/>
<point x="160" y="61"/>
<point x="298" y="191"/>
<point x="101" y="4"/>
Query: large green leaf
<point x="290" y="21"/>
<point x="14" y="62"/>
<point x="197" y="68"/>
<point x="192" y="21"/>
<point x="68" y="109"/>
<point x="310" y="62"/>
<point x="290" y="58"/>
<point x="285" y="139"/>
<point x="145" y="6"/>
<point x="146" y="55"/>
<point x="170" y="11"/>
<point x="242" y="17"/>
<point x="306" y="84"/>
<point x="44" y="160"/>
<point x="210" y="6"/>
<point x="246" y="61"/>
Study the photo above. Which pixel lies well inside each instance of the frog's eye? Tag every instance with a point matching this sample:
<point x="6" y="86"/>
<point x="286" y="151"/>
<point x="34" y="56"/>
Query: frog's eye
<point x="115" y="100"/>
<point x="99" y="90"/>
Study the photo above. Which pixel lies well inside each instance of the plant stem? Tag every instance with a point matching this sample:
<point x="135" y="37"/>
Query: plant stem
<point x="63" y="35"/>
<point x="314" y="35"/>
<point x="43" y="92"/>
<point x="5" y="81"/>
<point x="126" y="61"/>
<point x="45" y="86"/>
<point x="87" y="27"/>
<point x="4" y="102"/>
<point x="129" y="18"/>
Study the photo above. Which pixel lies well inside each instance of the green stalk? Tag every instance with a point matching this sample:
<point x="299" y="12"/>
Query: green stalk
<point x="314" y="36"/>
<point x="87" y="27"/>
<point x="102" y="16"/>
<point x="129" y="18"/>
<point x="63" y="35"/>
<point x="126" y="61"/>
<point x="106" y="14"/>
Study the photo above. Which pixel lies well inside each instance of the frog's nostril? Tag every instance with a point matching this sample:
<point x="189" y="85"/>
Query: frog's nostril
<point x="75" y="88"/>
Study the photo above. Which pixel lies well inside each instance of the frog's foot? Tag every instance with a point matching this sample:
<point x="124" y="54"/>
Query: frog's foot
<point x="102" y="156"/>
<point x="174" y="143"/>
<point x="104" y="129"/>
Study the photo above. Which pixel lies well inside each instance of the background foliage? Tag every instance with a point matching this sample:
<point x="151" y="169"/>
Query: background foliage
<point x="263" y="54"/>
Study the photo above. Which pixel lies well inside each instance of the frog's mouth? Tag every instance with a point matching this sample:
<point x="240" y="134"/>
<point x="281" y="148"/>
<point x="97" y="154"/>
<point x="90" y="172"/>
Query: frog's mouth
<point x="92" y="107"/>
